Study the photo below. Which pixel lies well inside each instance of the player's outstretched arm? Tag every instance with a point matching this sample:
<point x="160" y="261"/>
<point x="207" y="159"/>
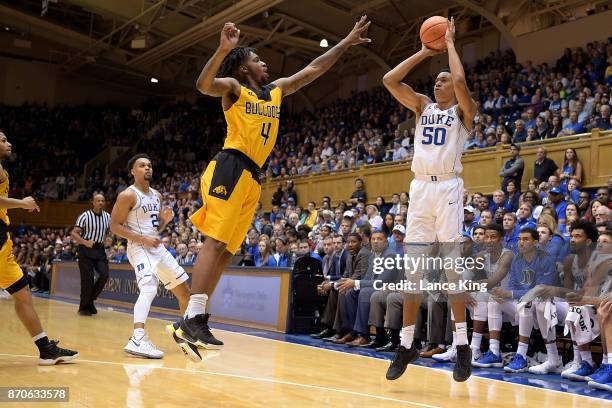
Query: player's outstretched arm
<point x="403" y="92"/>
<point x="323" y="63"/>
<point x="207" y="82"/>
<point x="466" y="103"/>
<point x="125" y="201"/>
<point x="27" y="203"/>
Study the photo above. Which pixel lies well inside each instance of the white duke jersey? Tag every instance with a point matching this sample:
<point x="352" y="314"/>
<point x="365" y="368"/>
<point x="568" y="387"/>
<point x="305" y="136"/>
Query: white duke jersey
<point x="144" y="217"/>
<point x="439" y="138"/>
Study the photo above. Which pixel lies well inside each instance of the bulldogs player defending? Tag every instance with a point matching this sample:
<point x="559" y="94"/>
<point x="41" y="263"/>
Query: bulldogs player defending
<point x="137" y="216"/>
<point x="436" y="206"/>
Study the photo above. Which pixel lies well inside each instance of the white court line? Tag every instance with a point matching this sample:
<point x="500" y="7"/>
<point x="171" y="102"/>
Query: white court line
<point x="245" y="377"/>
<point x="567" y="394"/>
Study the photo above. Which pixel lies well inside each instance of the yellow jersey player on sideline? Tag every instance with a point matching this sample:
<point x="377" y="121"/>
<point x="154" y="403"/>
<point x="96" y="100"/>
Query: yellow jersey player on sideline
<point x="230" y="186"/>
<point x="11" y="276"/>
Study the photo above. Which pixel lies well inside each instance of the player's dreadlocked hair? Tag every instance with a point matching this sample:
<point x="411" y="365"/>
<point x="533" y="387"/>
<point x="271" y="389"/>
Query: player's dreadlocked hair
<point x="233" y="60"/>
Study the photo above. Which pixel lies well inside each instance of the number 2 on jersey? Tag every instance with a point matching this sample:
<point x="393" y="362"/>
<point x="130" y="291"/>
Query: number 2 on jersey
<point x="437" y="135"/>
<point x="265" y="131"/>
<point x="154" y="220"/>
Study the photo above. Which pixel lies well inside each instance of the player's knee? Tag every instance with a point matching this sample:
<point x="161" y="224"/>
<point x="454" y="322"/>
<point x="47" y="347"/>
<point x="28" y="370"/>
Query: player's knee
<point x="216" y="246"/>
<point x="22" y="296"/>
<point x="148" y="289"/>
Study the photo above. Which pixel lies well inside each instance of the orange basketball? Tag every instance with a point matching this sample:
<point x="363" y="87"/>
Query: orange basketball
<point x="433" y="31"/>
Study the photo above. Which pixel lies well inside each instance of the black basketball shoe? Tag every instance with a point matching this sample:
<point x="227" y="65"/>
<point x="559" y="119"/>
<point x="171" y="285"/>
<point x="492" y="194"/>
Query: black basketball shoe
<point x="190" y="350"/>
<point x="401" y="359"/>
<point x="463" y="365"/>
<point x="51" y="354"/>
<point x="197" y="332"/>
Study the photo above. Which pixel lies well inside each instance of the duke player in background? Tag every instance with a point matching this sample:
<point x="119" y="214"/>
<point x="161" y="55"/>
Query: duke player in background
<point x="436" y="193"/>
<point x="137" y="216"/>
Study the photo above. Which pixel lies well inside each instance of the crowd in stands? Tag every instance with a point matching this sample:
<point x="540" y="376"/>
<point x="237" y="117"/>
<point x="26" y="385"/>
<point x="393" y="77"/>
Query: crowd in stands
<point x="52" y="144"/>
<point x="517" y="103"/>
<point x="180" y="148"/>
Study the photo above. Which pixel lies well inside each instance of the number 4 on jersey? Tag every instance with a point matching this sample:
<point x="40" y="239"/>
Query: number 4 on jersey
<point x="265" y="131"/>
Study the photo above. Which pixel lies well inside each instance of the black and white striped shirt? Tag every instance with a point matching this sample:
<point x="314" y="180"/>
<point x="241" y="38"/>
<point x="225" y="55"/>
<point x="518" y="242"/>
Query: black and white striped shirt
<point x="94" y="227"/>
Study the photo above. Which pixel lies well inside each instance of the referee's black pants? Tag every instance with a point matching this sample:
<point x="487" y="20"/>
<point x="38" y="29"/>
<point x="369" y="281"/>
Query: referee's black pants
<point x="92" y="260"/>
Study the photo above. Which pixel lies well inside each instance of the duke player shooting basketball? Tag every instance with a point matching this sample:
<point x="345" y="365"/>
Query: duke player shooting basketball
<point x="138" y="217"/>
<point x="436" y="206"/>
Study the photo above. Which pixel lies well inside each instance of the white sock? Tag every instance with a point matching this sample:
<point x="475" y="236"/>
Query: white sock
<point x="577" y="357"/>
<point x="522" y="349"/>
<point x="139" y="333"/>
<point x="442" y="346"/>
<point x="553" y="353"/>
<point x="476" y="340"/>
<point x="454" y="343"/>
<point x="196" y="306"/>
<point x="407" y="336"/>
<point x="586" y="356"/>
<point x="494" y="346"/>
<point x="39" y="336"/>
<point x="606" y="359"/>
<point x="461" y="329"/>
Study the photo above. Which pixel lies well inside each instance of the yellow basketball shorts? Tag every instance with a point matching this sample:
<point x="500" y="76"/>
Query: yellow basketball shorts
<point x="230" y="189"/>
<point x="11" y="276"/>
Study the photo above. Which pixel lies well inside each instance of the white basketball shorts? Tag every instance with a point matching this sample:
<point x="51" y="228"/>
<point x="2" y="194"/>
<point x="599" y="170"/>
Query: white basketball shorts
<point x="435" y="212"/>
<point x="155" y="264"/>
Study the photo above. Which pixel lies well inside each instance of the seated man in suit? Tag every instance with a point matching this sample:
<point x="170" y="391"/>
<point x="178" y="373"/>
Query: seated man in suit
<point x="358" y="291"/>
<point x="355" y="267"/>
<point x="331" y="273"/>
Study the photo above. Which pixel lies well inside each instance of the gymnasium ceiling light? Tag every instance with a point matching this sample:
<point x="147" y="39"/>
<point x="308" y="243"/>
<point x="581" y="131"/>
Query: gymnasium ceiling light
<point x="154" y="80"/>
<point x="323" y="43"/>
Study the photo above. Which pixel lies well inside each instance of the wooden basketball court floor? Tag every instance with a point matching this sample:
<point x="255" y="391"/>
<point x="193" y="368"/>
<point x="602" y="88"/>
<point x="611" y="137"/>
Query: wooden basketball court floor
<point x="250" y="371"/>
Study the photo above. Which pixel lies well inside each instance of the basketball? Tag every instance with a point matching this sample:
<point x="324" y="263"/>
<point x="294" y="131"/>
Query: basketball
<point x="432" y="32"/>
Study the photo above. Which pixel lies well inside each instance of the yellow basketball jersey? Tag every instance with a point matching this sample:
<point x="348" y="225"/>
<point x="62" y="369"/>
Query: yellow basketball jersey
<point x="252" y="122"/>
<point x="4" y="190"/>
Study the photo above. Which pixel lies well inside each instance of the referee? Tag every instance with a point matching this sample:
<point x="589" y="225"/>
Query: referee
<point x="89" y="232"/>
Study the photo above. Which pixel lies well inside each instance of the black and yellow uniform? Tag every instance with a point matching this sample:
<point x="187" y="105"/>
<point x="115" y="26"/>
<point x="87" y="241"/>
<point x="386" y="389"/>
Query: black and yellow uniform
<point x="231" y="185"/>
<point x="11" y="276"/>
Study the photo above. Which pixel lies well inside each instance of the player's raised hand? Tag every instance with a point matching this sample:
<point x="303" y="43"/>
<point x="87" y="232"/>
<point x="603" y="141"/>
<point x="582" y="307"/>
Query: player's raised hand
<point x="361" y="28"/>
<point x="30" y="204"/>
<point x="229" y="37"/>
<point x="430" y="52"/>
<point x="167" y="214"/>
<point x="450" y="31"/>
